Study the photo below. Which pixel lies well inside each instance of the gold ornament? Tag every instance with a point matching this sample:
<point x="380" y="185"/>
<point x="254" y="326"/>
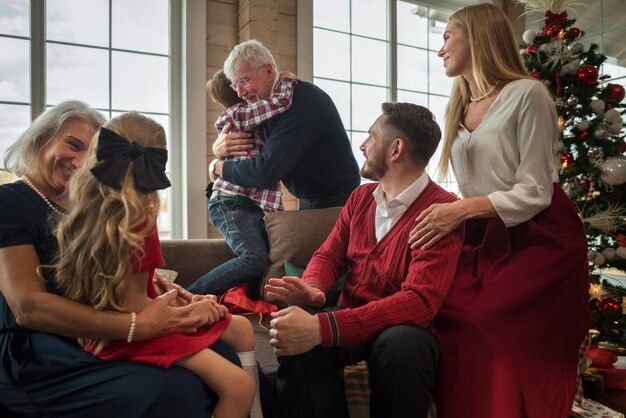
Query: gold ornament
<point x="596" y="291"/>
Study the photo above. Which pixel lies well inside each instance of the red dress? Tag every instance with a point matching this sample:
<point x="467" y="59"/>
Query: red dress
<point x="161" y="351"/>
<point x="511" y="326"/>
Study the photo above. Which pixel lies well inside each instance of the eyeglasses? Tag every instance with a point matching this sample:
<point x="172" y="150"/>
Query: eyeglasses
<point x="244" y="81"/>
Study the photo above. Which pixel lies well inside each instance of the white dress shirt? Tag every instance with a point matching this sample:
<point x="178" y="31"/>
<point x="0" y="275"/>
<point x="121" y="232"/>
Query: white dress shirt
<point x="387" y="214"/>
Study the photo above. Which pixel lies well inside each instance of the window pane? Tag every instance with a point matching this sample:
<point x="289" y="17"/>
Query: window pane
<point x="440" y="83"/>
<point x="164" y="221"/>
<point x="369" y="18"/>
<point x="14" y="120"/>
<point x="15" y="17"/>
<point x="437" y="105"/>
<point x="615" y="71"/>
<point x="331" y="56"/>
<point x="412" y="69"/>
<point x="412" y="97"/>
<point x="140" y="82"/>
<point x="357" y="138"/>
<point x="15" y="70"/>
<point x="412" y="28"/>
<point x="369" y="61"/>
<point x="437" y="27"/>
<point x="128" y="34"/>
<point x="74" y="21"/>
<point x="613" y="18"/>
<point x="340" y="93"/>
<point x="77" y="73"/>
<point x="332" y="14"/>
<point x="366" y="101"/>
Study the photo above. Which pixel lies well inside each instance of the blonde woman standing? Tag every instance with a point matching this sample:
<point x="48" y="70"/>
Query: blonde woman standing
<point x="511" y="326"/>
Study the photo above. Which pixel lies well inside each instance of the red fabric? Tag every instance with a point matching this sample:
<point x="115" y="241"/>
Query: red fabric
<point x="161" y="351"/>
<point x="387" y="282"/>
<point x="600" y="357"/>
<point x="237" y="302"/>
<point x="511" y="326"/>
<point x="153" y="257"/>
<point x="615" y="377"/>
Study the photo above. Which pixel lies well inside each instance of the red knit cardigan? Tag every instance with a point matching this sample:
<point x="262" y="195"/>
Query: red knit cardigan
<point x="387" y="282"/>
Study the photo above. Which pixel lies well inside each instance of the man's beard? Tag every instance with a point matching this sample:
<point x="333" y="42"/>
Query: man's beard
<point x="375" y="168"/>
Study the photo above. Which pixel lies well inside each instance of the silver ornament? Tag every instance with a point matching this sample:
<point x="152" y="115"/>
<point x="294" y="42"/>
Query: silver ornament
<point x="572" y="101"/>
<point x="614" y="171"/>
<point x="577" y="48"/>
<point x="601" y="133"/>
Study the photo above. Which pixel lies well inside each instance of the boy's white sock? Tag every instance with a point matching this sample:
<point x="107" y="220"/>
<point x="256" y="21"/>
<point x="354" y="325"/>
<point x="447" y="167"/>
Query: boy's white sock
<point x="248" y="362"/>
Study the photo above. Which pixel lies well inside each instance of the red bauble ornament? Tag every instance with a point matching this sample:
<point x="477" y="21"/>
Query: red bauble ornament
<point x="622" y="148"/>
<point x="566" y="159"/>
<point x="613" y="93"/>
<point x="532" y="50"/>
<point x="608" y="305"/>
<point x="583" y="135"/>
<point x="575" y="33"/>
<point x="535" y="74"/>
<point x="587" y="75"/>
<point x="552" y="31"/>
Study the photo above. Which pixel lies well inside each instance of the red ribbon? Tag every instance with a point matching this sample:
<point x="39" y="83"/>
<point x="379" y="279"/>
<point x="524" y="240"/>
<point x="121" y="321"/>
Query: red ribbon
<point x="555" y="19"/>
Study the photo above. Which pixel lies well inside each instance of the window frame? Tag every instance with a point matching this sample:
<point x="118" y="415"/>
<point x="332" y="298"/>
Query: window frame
<point x="186" y="86"/>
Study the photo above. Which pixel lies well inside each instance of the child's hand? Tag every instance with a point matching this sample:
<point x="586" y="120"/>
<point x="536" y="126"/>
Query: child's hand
<point x="287" y="74"/>
<point x="205" y="307"/>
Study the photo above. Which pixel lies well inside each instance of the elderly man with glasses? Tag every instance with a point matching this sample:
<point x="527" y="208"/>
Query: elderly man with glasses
<point x="307" y="147"/>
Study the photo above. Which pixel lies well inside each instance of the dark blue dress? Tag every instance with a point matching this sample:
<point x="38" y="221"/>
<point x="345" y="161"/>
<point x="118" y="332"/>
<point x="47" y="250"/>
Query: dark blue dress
<point x="46" y="375"/>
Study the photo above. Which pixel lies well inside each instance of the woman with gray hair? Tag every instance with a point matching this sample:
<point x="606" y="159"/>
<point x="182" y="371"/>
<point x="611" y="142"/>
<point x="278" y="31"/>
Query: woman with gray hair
<point x="44" y="371"/>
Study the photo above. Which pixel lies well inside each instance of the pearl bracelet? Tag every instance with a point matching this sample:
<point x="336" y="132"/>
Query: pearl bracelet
<point x="131" y="331"/>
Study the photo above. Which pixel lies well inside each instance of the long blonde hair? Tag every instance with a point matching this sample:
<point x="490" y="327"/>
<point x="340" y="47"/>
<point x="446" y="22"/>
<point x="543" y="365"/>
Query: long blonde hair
<point x="105" y="229"/>
<point x="495" y="61"/>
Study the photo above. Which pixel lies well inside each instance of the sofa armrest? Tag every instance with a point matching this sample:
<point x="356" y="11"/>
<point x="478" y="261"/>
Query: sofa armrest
<point x="192" y="258"/>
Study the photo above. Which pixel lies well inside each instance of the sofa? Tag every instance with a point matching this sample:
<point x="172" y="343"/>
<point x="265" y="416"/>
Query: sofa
<point x="293" y="237"/>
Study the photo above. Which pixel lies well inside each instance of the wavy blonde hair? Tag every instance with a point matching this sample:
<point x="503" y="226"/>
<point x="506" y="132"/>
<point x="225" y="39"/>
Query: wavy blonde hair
<point x="495" y="61"/>
<point x="105" y="229"/>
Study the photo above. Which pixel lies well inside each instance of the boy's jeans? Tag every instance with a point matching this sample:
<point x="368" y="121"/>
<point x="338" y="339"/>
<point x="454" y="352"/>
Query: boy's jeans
<point x="240" y="220"/>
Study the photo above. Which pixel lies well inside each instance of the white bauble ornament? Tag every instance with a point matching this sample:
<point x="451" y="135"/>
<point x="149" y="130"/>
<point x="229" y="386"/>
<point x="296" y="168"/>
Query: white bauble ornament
<point x="614" y="171"/>
<point x="529" y="36"/>
<point x="599" y="260"/>
<point x="591" y="255"/>
<point x="612" y="115"/>
<point x="609" y="253"/>
<point x="583" y="125"/>
<point x="615" y="128"/>
<point x="621" y="252"/>
<point x="597" y="106"/>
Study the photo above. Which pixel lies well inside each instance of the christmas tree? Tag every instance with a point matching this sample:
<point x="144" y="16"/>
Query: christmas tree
<point x="591" y="165"/>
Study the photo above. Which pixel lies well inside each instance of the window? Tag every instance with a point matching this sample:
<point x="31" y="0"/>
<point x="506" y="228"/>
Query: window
<point x="56" y="50"/>
<point x="366" y="52"/>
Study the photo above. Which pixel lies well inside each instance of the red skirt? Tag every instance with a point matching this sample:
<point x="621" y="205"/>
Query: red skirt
<point x="163" y="351"/>
<point x="517" y="312"/>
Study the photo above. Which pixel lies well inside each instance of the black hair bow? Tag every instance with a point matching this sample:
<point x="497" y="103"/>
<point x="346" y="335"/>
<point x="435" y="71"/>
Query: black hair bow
<point x="115" y="155"/>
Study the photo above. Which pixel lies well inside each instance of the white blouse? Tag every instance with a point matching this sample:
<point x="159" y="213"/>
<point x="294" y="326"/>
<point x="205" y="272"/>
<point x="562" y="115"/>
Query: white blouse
<point x="509" y="157"/>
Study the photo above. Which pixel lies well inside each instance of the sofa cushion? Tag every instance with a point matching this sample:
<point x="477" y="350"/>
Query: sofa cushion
<point x="192" y="258"/>
<point x="294" y="236"/>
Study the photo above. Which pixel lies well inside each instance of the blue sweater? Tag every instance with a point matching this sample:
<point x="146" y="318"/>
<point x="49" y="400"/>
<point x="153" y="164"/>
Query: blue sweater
<point x="307" y="148"/>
